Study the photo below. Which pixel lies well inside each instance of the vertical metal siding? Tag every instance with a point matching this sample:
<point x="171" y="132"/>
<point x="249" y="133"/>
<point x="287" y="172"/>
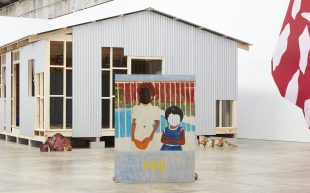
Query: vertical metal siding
<point x="186" y="50"/>
<point x="204" y="70"/>
<point x="86" y="83"/>
<point x="226" y="69"/>
<point x="8" y="92"/>
<point x="36" y="51"/>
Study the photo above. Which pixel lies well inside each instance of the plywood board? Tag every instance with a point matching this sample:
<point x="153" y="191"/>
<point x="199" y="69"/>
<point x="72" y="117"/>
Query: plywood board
<point x="154" y="128"/>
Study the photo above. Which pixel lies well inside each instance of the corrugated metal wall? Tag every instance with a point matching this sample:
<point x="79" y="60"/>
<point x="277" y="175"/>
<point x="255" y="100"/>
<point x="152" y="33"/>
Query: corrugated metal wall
<point x="86" y="103"/>
<point x="226" y="69"/>
<point x="204" y="60"/>
<point x="37" y="52"/>
<point x="187" y="50"/>
<point x="8" y="92"/>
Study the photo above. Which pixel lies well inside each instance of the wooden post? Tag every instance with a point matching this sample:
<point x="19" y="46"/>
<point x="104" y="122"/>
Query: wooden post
<point x="97" y="139"/>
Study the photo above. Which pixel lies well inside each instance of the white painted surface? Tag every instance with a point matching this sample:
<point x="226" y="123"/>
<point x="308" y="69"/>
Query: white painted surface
<point x="296" y="8"/>
<point x="292" y="88"/>
<point x="304" y="46"/>
<point x="37" y="52"/>
<point x="281" y="47"/>
<point x="307" y="112"/>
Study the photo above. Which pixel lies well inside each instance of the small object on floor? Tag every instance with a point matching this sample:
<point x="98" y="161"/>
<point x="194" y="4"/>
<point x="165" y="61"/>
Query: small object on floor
<point x="220" y="143"/>
<point x="208" y="142"/>
<point x="228" y="144"/>
<point x="56" y="143"/>
<point x="196" y="176"/>
<point x="202" y="141"/>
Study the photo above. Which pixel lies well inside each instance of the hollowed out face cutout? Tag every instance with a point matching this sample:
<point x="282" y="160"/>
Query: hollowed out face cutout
<point x="174" y="120"/>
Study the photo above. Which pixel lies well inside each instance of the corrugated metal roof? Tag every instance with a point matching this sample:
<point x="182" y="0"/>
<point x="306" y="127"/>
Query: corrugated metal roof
<point x="172" y="17"/>
<point x="147" y="9"/>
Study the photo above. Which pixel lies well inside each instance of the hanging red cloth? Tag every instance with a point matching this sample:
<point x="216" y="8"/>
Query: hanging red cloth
<point x="290" y="68"/>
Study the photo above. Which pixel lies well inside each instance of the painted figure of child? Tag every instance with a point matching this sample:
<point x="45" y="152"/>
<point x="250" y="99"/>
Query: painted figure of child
<point x="173" y="136"/>
<point x="145" y="118"/>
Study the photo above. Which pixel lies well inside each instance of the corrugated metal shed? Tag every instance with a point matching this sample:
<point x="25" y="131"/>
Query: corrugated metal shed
<point x="187" y="49"/>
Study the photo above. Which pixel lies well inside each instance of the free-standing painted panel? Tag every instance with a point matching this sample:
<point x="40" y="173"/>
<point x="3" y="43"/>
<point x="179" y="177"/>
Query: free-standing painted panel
<point x="154" y="128"/>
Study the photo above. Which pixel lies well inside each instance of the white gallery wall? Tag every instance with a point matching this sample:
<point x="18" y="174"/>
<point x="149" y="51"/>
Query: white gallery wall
<point x="14" y="28"/>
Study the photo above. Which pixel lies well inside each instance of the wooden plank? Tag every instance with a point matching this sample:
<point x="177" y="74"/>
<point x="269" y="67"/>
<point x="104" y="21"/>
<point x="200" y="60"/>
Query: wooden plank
<point x="3" y="50"/>
<point x="235" y="115"/>
<point x="23" y="42"/>
<point x="12" y="47"/>
<point x="46" y="88"/>
<point x="226" y="130"/>
<point x="107" y="132"/>
<point x="64" y="132"/>
<point x="220" y="113"/>
<point x="47" y="35"/>
<point x="245" y="47"/>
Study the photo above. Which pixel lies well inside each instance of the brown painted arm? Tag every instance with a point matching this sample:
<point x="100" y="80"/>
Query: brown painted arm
<point x="181" y="141"/>
<point x="156" y="125"/>
<point x="133" y="128"/>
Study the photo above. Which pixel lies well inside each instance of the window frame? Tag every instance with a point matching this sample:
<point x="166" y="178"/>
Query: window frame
<point x="2" y="65"/>
<point x="31" y="78"/>
<point x="219" y="114"/>
<point x="111" y="96"/>
<point x="64" y="96"/>
<point x="130" y="58"/>
<point x="111" y="70"/>
<point x="39" y="106"/>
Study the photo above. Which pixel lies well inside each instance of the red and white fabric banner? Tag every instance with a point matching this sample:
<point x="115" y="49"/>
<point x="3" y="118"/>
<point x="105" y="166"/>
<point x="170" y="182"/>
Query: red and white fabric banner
<point x="290" y="68"/>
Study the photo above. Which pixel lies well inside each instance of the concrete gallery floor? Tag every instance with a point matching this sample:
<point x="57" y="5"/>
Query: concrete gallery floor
<point x="256" y="166"/>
